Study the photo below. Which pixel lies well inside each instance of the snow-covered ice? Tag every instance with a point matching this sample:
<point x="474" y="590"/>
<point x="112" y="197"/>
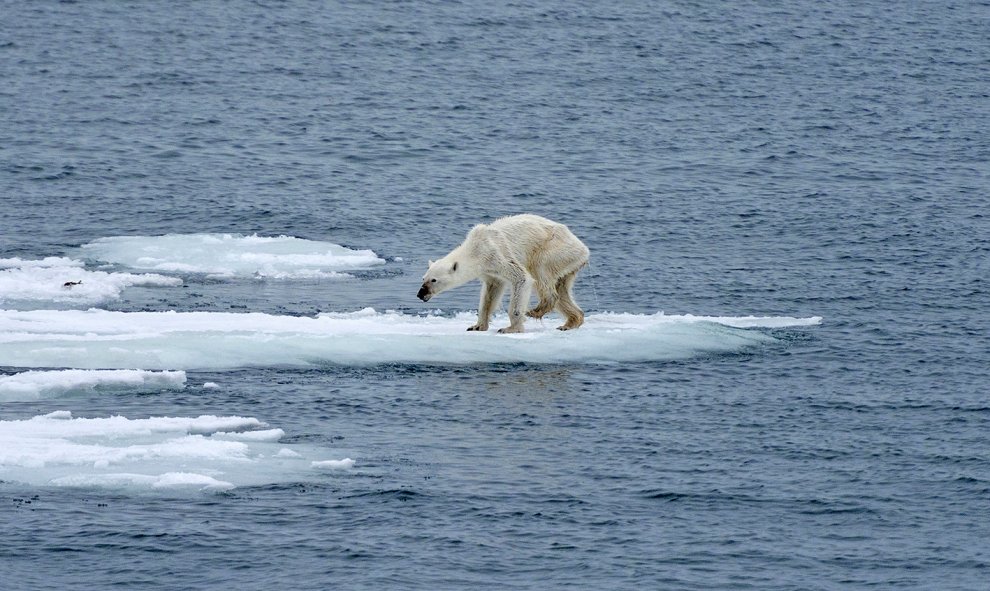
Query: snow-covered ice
<point x="100" y="339"/>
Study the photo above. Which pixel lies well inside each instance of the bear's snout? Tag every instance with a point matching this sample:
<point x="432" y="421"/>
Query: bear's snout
<point x="424" y="293"/>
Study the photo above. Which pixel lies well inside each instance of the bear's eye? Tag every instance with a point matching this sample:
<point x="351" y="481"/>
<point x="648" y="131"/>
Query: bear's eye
<point x="433" y="280"/>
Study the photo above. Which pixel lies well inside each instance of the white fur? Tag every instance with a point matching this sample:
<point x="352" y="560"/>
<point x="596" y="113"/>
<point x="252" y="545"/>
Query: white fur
<point x="520" y="252"/>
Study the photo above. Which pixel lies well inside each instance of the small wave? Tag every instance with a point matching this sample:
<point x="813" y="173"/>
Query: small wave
<point x="802" y="505"/>
<point x="232" y="255"/>
<point x="100" y="339"/>
<point x="32" y="385"/>
<point x="398" y="494"/>
<point x="211" y="453"/>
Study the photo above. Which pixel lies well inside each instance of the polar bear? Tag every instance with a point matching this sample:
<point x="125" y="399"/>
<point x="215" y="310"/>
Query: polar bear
<point x="521" y="252"/>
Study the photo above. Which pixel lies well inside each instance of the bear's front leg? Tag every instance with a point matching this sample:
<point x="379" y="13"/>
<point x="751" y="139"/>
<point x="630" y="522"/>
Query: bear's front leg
<point x="522" y="284"/>
<point x="491" y="294"/>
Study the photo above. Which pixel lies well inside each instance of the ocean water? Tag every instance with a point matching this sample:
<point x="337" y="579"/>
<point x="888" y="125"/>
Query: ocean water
<point x="214" y="371"/>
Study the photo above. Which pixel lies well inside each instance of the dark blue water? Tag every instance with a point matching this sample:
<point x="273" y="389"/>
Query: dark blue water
<point x="802" y="159"/>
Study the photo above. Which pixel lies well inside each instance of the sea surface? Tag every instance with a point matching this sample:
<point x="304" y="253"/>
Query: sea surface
<point x="215" y="374"/>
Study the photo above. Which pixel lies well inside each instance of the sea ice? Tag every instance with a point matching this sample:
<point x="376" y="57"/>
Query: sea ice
<point x="232" y="255"/>
<point x="333" y="464"/>
<point x="64" y="282"/>
<point x="32" y="385"/>
<point x="220" y="340"/>
<point x="201" y="453"/>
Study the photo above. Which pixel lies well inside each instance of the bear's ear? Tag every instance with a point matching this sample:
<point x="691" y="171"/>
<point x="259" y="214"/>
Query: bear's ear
<point x="429" y="263"/>
<point x="454" y="269"/>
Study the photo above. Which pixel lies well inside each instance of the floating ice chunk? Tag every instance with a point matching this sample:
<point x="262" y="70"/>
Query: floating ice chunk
<point x="233" y="255"/>
<point x="53" y="424"/>
<point x="266" y="435"/>
<point x="211" y="386"/>
<point x="753" y="321"/>
<point x="215" y="340"/>
<point x="202" y="453"/>
<point x="169" y="480"/>
<point x="64" y="282"/>
<point x="47" y="262"/>
<point x="333" y="464"/>
<point x="32" y="385"/>
<point x="186" y="479"/>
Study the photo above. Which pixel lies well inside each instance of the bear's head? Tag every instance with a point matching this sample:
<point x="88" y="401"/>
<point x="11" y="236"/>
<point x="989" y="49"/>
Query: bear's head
<point x="441" y="276"/>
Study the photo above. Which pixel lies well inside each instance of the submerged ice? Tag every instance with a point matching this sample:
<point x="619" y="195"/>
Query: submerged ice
<point x="202" y="453"/>
<point x="33" y="385"/>
<point x="232" y="255"/>
<point x="100" y="339"/>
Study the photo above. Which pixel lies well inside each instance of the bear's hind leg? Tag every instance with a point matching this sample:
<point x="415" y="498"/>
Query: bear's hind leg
<point x="566" y="304"/>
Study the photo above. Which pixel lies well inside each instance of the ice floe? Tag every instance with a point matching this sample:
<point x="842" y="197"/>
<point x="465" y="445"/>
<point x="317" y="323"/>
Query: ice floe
<point x="65" y="282"/>
<point x="100" y="339"/>
<point x="232" y="255"/>
<point x="212" y="453"/>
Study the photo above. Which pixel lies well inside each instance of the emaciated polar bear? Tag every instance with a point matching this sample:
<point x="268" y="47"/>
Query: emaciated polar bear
<point x="521" y="252"/>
